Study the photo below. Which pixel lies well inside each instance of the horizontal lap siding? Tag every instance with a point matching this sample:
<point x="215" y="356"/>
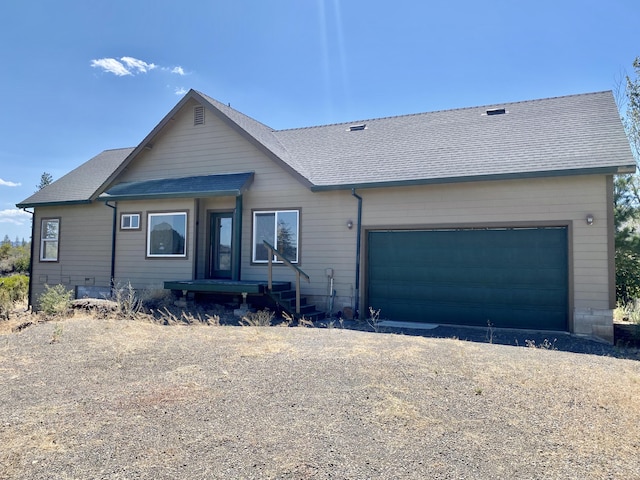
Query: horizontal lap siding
<point x="84" y="256"/>
<point x="133" y="266"/>
<point x="186" y="150"/>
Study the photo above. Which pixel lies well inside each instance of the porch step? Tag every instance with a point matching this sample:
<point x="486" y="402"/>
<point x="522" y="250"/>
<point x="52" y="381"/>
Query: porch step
<point x="286" y="300"/>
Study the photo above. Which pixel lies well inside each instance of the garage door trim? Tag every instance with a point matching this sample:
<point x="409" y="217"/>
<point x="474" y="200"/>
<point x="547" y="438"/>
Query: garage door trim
<point x="568" y="224"/>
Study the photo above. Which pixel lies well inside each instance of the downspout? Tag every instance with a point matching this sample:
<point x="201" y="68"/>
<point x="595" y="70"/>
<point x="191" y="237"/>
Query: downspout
<point x="356" y="313"/>
<point x="236" y="251"/>
<point x="33" y="230"/>
<point x="113" y="243"/>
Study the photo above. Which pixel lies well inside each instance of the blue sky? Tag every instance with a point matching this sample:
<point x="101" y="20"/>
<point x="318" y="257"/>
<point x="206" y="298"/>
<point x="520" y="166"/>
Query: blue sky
<point x="79" y="77"/>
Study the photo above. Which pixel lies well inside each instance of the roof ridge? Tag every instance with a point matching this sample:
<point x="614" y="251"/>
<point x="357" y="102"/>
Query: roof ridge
<point x="219" y="104"/>
<point x="407" y="115"/>
<point x="259" y="133"/>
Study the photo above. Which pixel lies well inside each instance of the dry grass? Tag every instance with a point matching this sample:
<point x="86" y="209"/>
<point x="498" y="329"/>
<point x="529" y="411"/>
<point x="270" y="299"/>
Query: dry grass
<point x="124" y="399"/>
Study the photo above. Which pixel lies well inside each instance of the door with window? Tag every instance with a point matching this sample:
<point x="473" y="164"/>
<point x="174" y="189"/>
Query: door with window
<point x="221" y="245"/>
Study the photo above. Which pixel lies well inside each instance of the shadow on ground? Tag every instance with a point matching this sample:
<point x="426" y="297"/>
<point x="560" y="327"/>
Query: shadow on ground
<point x="561" y="341"/>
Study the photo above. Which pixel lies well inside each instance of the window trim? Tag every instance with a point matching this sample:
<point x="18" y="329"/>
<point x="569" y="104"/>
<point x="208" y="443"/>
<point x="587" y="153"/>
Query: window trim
<point x="183" y="255"/>
<point x="43" y="240"/>
<point x="131" y="214"/>
<point x="275" y="211"/>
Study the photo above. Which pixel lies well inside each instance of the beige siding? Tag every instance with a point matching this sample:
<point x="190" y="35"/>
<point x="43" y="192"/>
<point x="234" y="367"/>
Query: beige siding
<point x="133" y="265"/>
<point x="184" y="150"/>
<point x="84" y="256"/>
<point x="560" y="199"/>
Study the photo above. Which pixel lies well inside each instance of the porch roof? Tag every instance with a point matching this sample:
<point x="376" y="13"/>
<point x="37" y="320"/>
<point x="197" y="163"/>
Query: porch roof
<point x="231" y="184"/>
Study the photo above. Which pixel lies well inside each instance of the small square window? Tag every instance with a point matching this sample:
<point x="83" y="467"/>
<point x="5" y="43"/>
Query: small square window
<point x="130" y="221"/>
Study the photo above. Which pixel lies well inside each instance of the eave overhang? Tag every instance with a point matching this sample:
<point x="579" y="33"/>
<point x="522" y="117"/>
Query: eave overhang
<point x="53" y="204"/>
<point x="619" y="170"/>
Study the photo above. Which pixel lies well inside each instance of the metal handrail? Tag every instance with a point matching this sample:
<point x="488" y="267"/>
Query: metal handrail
<point x="272" y="251"/>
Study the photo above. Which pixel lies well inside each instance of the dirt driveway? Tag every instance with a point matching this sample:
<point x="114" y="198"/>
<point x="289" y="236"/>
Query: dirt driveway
<point x="88" y="398"/>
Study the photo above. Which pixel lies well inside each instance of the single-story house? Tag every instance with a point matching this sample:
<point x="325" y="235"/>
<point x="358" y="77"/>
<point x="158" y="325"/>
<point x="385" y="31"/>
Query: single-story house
<point x="499" y="215"/>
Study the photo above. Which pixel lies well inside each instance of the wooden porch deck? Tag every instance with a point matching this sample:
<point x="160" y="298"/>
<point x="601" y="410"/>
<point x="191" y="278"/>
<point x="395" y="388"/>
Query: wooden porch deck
<point x="255" y="287"/>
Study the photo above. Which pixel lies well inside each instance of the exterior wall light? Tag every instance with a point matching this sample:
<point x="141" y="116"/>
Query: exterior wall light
<point x="589" y="219"/>
<point x="349" y="224"/>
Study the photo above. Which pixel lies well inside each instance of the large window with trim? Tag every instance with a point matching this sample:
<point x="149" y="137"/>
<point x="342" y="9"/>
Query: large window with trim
<point x="167" y="234"/>
<point x="281" y="228"/>
<point x="49" y="239"/>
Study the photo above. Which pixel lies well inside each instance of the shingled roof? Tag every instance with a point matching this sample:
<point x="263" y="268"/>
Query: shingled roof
<point x="571" y="135"/>
<point x="81" y="185"/>
<point x="557" y="136"/>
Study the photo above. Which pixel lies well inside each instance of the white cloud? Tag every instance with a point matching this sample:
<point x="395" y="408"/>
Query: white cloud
<point x="134" y="66"/>
<point x="14" y="216"/>
<point x="124" y="66"/>
<point x="138" y="65"/>
<point x="111" y="65"/>
<point x="6" y="183"/>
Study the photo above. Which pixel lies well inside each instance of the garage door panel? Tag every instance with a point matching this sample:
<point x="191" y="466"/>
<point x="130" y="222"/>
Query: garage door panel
<point x="480" y="316"/>
<point x="512" y="278"/>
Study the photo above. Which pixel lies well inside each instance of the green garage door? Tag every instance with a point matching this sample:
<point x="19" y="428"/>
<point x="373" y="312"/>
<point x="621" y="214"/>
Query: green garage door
<point x="509" y="277"/>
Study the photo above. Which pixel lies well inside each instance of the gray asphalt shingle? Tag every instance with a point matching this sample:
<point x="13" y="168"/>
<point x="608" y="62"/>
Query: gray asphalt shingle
<point x="554" y="136"/>
<point x="573" y="133"/>
<point x="82" y="184"/>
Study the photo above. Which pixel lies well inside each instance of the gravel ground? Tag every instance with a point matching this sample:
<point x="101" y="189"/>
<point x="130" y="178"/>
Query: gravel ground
<point x="106" y="399"/>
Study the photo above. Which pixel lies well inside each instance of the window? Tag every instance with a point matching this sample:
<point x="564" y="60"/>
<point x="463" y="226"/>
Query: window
<point x="130" y="221"/>
<point x="167" y="234"/>
<point x="49" y="237"/>
<point x="280" y="229"/>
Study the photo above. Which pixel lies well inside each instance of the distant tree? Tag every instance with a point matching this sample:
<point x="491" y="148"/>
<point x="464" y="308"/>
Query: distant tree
<point x="627" y="197"/>
<point x="45" y="179"/>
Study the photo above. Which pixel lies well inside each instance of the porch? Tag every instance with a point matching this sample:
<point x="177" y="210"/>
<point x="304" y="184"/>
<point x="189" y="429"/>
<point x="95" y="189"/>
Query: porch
<point x="259" y="287"/>
<point x="281" y="293"/>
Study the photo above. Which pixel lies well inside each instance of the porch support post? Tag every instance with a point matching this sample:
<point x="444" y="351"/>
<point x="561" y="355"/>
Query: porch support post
<point x="237" y="240"/>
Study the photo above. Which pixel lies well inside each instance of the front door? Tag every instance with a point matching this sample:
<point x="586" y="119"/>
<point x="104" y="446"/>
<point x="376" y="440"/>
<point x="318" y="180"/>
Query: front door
<point x="221" y="245"/>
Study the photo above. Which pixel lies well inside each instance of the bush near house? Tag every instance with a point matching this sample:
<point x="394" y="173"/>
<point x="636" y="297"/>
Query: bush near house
<point x="55" y="300"/>
<point x="12" y="289"/>
<point x="14" y="259"/>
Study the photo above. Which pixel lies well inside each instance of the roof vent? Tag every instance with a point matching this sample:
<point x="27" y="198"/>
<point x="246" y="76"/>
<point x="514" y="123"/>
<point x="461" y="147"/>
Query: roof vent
<point x="198" y="115"/>
<point x="355" y="128"/>
<point x="496" y="111"/>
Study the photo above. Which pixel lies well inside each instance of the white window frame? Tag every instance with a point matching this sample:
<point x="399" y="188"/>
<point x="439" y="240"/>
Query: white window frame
<point x="150" y="224"/>
<point x="130" y="217"/>
<point x="44" y="241"/>
<point x="275" y="213"/>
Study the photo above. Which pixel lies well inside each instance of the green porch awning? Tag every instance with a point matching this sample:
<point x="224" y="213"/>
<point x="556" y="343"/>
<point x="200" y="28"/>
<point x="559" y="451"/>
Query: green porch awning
<point x="231" y="184"/>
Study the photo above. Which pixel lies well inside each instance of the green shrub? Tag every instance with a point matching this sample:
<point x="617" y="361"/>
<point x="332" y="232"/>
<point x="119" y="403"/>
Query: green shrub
<point x="12" y="289"/>
<point x="5" y="304"/>
<point x="55" y="300"/>
<point x="17" y="287"/>
<point x="21" y="263"/>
